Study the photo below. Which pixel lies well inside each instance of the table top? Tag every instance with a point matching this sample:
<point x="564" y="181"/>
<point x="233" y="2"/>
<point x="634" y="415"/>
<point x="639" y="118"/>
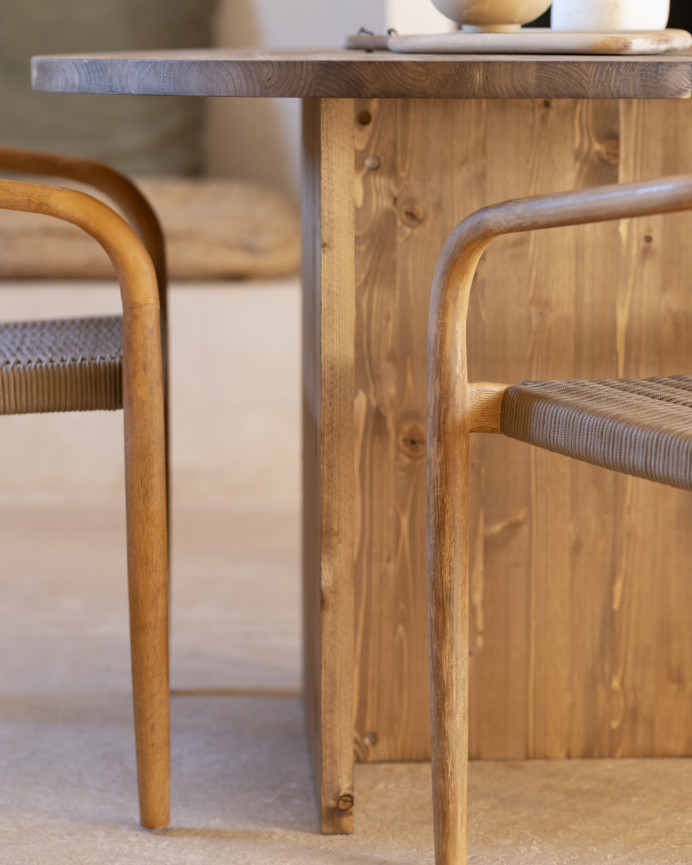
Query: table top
<point x="336" y="73"/>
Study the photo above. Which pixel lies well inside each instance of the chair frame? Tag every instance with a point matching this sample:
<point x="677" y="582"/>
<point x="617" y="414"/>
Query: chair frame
<point x="136" y="210"/>
<point x="142" y="287"/>
<point x="455" y="408"/>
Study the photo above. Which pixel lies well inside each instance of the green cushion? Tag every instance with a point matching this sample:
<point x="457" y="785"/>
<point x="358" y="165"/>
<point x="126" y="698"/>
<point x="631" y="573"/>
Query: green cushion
<point x="137" y="134"/>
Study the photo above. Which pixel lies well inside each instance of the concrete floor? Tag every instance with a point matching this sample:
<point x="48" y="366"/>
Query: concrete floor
<point x="241" y="788"/>
<point x="241" y="780"/>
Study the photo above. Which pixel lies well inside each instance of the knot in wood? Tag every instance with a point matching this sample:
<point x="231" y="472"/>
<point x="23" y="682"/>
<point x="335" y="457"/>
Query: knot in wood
<point x="610" y="151"/>
<point x="370" y="739"/>
<point x="345" y="802"/>
<point x="412" y="440"/>
<point x="412" y="214"/>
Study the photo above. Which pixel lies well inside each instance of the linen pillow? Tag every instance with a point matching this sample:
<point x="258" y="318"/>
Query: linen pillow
<point x="137" y="134"/>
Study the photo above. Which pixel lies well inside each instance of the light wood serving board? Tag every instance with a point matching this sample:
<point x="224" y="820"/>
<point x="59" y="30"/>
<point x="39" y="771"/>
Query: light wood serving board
<point x="528" y="41"/>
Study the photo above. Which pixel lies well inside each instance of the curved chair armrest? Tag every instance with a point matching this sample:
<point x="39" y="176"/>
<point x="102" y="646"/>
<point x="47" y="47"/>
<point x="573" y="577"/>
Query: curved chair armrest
<point x="138" y="282"/>
<point x="144" y="409"/>
<point x="457" y="263"/>
<point x="122" y="191"/>
<point x="132" y="203"/>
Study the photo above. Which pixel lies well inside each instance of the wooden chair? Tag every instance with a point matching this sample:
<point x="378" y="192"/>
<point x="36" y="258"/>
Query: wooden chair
<point x="108" y="363"/>
<point x="642" y="428"/>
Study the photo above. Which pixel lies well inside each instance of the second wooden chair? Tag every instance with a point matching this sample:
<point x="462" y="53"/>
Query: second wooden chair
<point x="86" y="364"/>
<point x="641" y="428"/>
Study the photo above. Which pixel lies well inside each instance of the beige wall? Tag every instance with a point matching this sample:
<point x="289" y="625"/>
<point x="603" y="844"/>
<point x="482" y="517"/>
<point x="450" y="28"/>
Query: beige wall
<point x="259" y="139"/>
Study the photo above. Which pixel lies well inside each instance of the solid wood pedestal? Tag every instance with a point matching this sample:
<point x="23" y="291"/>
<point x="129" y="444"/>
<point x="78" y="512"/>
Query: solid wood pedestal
<point x="581" y="642"/>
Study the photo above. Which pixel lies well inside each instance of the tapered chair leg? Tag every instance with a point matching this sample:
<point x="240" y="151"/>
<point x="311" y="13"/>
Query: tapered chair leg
<point x="448" y="630"/>
<point x="145" y="469"/>
<point x="448" y="427"/>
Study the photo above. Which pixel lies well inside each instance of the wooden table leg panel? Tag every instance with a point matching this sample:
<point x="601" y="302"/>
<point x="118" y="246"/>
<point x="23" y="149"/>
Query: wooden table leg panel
<point x="328" y="340"/>
<point x="569" y="617"/>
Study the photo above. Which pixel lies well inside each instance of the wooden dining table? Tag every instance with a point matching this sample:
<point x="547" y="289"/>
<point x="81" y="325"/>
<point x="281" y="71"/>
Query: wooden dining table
<point x="580" y="591"/>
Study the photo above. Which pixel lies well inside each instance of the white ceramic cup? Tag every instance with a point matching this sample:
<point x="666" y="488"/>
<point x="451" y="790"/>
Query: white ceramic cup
<point x="609" y="15"/>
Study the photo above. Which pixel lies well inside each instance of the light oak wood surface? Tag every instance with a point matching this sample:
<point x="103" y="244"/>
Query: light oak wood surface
<point x="577" y="627"/>
<point x="567" y="613"/>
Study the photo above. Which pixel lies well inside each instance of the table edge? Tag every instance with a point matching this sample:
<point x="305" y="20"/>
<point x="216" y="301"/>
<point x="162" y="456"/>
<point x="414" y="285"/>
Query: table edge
<point x="343" y="74"/>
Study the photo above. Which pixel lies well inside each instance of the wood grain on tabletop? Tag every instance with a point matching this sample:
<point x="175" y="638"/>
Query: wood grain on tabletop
<point x="353" y="74"/>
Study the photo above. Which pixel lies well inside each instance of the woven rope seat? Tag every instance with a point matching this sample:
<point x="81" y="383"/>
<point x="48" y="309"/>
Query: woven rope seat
<point x="639" y="427"/>
<point x="61" y="365"/>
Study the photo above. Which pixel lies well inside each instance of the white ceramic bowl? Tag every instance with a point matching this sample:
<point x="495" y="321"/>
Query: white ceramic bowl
<point x="492" y="16"/>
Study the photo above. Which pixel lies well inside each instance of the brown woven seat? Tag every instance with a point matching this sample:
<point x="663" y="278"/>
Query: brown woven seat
<point x="638" y="427"/>
<point x="61" y="365"/>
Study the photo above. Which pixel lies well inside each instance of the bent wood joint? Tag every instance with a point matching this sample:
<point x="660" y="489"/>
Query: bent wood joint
<point x="484" y="404"/>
